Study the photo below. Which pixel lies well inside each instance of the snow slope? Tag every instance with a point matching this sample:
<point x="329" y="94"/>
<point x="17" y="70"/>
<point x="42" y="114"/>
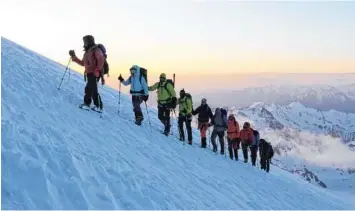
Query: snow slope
<point x="56" y="156"/>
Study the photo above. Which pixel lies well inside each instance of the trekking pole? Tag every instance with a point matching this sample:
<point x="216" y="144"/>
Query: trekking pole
<point x="209" y="138"/>
<point x="172" y="121"/>
<point x="172" y="131"/>
<point x="119" y="98"/>
<point x="150" y="125"/>
<point x="224" y="139"/>
<point x="69" y="75"/>
<point x="66" y="69"/>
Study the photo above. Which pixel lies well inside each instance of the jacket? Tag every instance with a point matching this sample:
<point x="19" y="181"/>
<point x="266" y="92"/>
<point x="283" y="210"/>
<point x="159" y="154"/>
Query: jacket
<point x="93" y="61"/>
<point x="233" y="129"/>
<point x="204" y="113"/>
<point x="165" y="95"/>
<point x="246" y="136"/>
<point x="185" y="106"/>
<point x="138" y="85"/>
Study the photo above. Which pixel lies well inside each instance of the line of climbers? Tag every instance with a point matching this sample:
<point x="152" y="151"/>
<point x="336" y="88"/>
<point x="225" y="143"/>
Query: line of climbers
<point x="94" y="61"/>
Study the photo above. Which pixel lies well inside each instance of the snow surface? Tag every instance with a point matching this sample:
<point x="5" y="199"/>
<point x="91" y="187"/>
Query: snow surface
<point x="56" y="156"/>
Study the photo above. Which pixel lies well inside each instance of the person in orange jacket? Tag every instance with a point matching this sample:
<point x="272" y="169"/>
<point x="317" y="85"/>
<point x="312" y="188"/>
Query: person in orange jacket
<point x="93" y="61"/>
<point x="246" y="137"/>
<point x="233" y="136"/>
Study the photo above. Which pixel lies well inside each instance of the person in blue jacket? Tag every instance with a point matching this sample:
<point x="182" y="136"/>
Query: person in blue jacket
<point x="254" y="146"/>
<point x="139" y="91"/>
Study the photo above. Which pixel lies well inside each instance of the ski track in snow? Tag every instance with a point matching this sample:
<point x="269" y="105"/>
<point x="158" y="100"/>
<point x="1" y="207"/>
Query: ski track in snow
<point x="57" y="156"/>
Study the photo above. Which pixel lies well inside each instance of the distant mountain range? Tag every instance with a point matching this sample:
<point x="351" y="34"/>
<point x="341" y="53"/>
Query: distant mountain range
<point x="340" y="97"/>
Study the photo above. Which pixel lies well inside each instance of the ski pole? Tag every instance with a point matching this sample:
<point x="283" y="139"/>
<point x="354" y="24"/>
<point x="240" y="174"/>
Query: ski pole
<point x="119" y="98"/>
<point x="66" y="69"/>
<point x="150" y="125"/>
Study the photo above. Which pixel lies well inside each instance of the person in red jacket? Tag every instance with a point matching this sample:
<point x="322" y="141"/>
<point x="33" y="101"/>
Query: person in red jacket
<point x="93" y="61"/>
<point x="246" y="136"/>
<point x="233" y="136"/>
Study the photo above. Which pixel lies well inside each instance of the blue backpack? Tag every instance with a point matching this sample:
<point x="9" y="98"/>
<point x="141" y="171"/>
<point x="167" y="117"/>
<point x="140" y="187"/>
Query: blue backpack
<point x="256" y="137"/>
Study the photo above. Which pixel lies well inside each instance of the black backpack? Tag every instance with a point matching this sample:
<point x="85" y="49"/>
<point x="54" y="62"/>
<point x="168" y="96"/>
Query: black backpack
<point x="106" y="68"/>
<point x="224" y="112"/>
<point x="271" y="152"/>
<point x="143" y="73"/>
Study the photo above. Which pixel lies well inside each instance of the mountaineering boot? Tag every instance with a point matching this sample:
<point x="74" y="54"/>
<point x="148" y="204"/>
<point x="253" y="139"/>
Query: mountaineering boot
<point x="230" y="153"/>
<point x="138" y="122"/>
<point x="203" y="143"/>
<point x="167" y="130"/>
<point x="236" y="154"/>
<point x="97" y="109"/>
<point x="214" y="148"/>
<point x="139" y="118"/>
<point x="84" y="106"/>
<point x="245" y="160"/>
<point x="190" y="142"/>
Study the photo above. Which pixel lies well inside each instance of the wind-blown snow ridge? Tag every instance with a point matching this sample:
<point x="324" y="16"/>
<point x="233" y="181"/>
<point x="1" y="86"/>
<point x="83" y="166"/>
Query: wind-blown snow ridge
<point x="56" y="156"/>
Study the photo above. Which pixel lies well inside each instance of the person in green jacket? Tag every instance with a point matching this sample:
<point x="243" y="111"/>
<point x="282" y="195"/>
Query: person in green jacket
<point x="166" y="100"/>
<point x="185" y="115"/>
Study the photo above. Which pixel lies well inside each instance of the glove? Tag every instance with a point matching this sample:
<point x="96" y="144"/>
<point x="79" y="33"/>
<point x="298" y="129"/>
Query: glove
<point x="102" y="81"/>
<point x="145" y="98"/>
<point x="84" y="76"/>
<point x="120" y="78"/>
<point x="189" y="117"/>
<point x="72" y="53"/>
<point x="173" y="101"/>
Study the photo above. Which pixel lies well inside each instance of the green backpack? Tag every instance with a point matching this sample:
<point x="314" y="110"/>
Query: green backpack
<point x="188" y="96"/>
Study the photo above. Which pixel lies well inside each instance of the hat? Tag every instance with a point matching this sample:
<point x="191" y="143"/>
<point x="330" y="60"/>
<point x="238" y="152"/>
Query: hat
<point x="163" y="75"/>
<point x="89" y="39"/>
<point x="203" y="101"/>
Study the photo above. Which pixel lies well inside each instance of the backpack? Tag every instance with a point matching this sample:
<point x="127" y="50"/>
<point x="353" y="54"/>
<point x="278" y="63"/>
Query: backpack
<point x="188" y="96"/>
<point x="256" y="136"/>
<point x="271" y="150"/>
<point x="224" y="115"/>
<point x="224" y="112"/>
<point x="143" y="73"/>
<point x="168" y="81"/>
<point x="106" y="68"/>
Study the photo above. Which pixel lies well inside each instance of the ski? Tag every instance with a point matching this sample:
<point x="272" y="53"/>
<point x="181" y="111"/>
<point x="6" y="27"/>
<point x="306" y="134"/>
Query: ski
<point x="90" y="108"/>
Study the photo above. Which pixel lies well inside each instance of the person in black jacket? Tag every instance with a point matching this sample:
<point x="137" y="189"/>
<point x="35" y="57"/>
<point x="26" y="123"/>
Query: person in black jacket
<point x="266" y="152"/>
<point x="204" y="115"/>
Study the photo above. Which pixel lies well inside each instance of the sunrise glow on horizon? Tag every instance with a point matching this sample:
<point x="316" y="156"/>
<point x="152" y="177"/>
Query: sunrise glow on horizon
<point x="191" y="36"/>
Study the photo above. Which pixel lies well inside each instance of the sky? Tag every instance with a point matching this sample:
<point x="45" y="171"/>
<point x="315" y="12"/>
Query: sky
<point x="191" y="38"/>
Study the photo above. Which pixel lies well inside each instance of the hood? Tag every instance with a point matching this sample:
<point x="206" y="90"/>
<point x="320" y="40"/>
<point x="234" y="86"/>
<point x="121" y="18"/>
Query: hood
<point x="136" y="71"/>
